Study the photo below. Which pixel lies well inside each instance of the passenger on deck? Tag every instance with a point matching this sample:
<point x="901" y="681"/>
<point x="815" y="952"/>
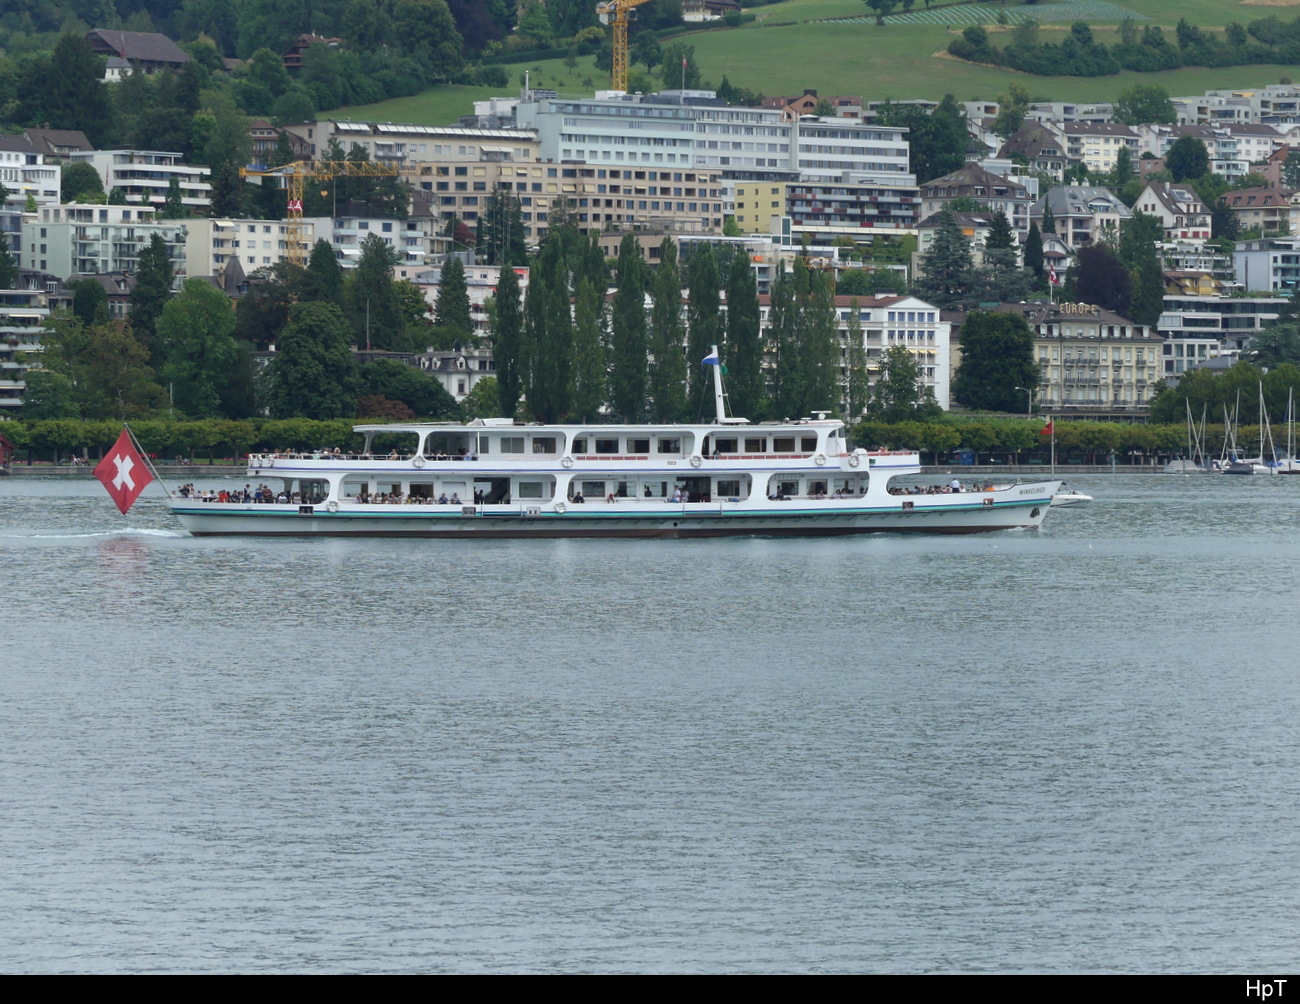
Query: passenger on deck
<point x="442" y="499"/>
<point x="455" y="498"/>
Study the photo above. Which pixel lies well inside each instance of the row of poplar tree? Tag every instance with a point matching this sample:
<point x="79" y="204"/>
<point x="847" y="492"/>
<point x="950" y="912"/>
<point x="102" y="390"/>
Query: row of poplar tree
<point x="568" y="354"/>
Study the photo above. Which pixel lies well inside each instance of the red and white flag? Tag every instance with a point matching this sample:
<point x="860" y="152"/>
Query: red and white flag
<point x="123" y="472"/>
<point x="1052" y="276"/>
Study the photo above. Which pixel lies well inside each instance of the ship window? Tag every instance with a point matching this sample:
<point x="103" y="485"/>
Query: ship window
<point x="580" y="445"/>
<point x="725" y="446"/>
<point x="808" y="444"/>
<point x="783" y="444"/>
<point x="670" y="446"/>
<point x="543" y="444"/>
<point x="529" y="490"/>
<point x="593" y="489"/>
<point x="638" y="446"/>
<point x="729" y="488"/>
<point x="756" y="445"/>
<point x="606" y="445"/>
<point x="512" y="444"/>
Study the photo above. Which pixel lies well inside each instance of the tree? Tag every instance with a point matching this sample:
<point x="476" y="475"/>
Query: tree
<point x="588" y="352"/>
<point x="8" y="263"/>
<point x="946" y="269"/>
<point x="89" y="301"/>
<point x="1144" y="104"/>
<point x="452" y="308"/>
<point x="314" y="372"/>
<point x="323" y="280"/>
<point x="900" y="394"/>
<point x="81" y="183"/>
<point x="548" y="332"/>
<point x="394" y="380"/>
<point x="703" y="320"/>
<point x="997" y="356"/>
<point x="744" y="340"/>
<point x="1101" y="278"/>
<point x="858" y="388"/>
<point x="373" y="305"/>
<point x="667" y="339"/>
<point x="881" y="8"/>
<point x="173" y="208"/>
<point x="817" y="361"/>
<point x="629" y="373"/>
<point x="937" y="139"/>
<point x="507" y="342"/>
<point x="152" y="290"/>
<point x="1011" y="110"/>
<point x="1033" y="252"/>
<point x="67" y="91"/>
<point x="1187" y="158"/>
<point x="197" y="348"/>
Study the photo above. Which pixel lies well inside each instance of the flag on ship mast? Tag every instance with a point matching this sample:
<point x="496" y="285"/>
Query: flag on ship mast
<point x="123" y="472"/>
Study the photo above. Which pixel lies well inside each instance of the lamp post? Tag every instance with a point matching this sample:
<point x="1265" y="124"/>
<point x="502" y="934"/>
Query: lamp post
<point x="1029" y="401"/>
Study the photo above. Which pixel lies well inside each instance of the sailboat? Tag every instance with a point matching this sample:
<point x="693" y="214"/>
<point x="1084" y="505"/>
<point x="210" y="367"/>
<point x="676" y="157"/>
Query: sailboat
<point x="1287" y="463"/>
<point x="1196" y="462"/>
<point x="1266" y="462"/>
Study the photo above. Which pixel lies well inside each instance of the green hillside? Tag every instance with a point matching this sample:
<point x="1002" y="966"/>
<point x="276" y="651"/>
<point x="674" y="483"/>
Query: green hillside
<point x="835" y="47"/>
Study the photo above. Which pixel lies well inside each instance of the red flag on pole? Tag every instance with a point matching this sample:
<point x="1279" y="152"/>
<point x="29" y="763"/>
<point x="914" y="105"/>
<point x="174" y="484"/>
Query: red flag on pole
<point x="123" y="472"/>
<point x="1051" y="275"/>
<point x="1047" y="429"/>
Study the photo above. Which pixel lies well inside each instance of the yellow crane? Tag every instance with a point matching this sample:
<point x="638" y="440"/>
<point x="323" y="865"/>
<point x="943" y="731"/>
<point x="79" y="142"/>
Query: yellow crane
<point x="615" y="14"/>
<point x="295" y="177"/>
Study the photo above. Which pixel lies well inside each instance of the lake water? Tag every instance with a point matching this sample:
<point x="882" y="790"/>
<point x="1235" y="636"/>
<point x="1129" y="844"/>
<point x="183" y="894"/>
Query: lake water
<point x="1065" y="751"/>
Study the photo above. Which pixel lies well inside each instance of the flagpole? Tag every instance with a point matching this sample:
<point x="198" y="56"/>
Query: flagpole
<point x="147" y="462"/>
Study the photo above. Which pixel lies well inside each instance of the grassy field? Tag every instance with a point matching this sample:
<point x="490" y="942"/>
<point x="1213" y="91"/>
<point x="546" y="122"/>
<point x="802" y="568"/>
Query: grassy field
<point x="898" y="60"/>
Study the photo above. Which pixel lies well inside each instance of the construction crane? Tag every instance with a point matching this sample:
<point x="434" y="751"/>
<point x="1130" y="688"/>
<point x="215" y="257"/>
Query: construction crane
<point x="295" y="177"/>
<point x="615" y="13"/>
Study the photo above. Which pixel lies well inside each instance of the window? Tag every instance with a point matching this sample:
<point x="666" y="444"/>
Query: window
<point x="606" y="445"/>
<point x="512" y="444"/>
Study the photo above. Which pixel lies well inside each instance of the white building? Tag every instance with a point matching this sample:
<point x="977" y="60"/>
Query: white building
<point x="144" y="176"/>
<point x="1268" y="264"/>
<point x="24" y="171"/>
<point x="889" y="321"/>
<point x="481" y="285"/>
<point x="413" y="238"/>
<point x="210" y="244"/>
<point x="22" y="312"/>
<point x="70" y="239"/>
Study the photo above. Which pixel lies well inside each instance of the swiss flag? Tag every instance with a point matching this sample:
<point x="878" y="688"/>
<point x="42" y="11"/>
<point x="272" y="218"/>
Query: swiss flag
<point x="1051" y="275"/>
<point x="123" y="472"/>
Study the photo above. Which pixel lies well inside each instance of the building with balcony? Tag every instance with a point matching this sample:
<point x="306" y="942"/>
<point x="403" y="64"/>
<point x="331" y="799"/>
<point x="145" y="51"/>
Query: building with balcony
<point x="72" y="238"/>
<point x="1200" y="328"/>
<point x="973" y="182"/>
<point x="144" y="176"/>
<point x="22" y="312"/>
<point x="24" y="171"/>
<point x="1092" y="362"/>
<point x="853" y="206"/>
<point x="402" y="145"/>
<point x="211" y="244"/>
<point x="1082" y="214"/>
<point x="1178" y="208"/>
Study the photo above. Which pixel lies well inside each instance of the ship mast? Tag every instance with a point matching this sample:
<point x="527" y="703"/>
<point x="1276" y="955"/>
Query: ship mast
<point x="719" y="398"/>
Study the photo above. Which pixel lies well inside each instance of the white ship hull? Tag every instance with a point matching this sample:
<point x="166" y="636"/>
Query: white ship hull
<point x="1006" y="508"/>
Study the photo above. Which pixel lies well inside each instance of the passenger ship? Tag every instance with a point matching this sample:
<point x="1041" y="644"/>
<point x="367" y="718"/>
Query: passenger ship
<point x="500" y="478"/>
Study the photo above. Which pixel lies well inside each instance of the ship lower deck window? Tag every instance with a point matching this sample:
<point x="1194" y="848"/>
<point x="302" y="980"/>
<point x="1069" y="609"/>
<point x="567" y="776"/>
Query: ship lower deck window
<point x="530" y="490"/>
<point x="729" y="488"/>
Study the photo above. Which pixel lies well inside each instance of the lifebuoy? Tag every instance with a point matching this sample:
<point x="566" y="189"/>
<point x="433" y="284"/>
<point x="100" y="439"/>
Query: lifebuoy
<point x="332" y="506"/>
<point x="820" y="459"/>
<point x="560" y="507"/>
<point x="853" y="460"/>
<point x="566" y="463"/>
<point x="696" y="460"/>
<point x="417" y="461"/>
